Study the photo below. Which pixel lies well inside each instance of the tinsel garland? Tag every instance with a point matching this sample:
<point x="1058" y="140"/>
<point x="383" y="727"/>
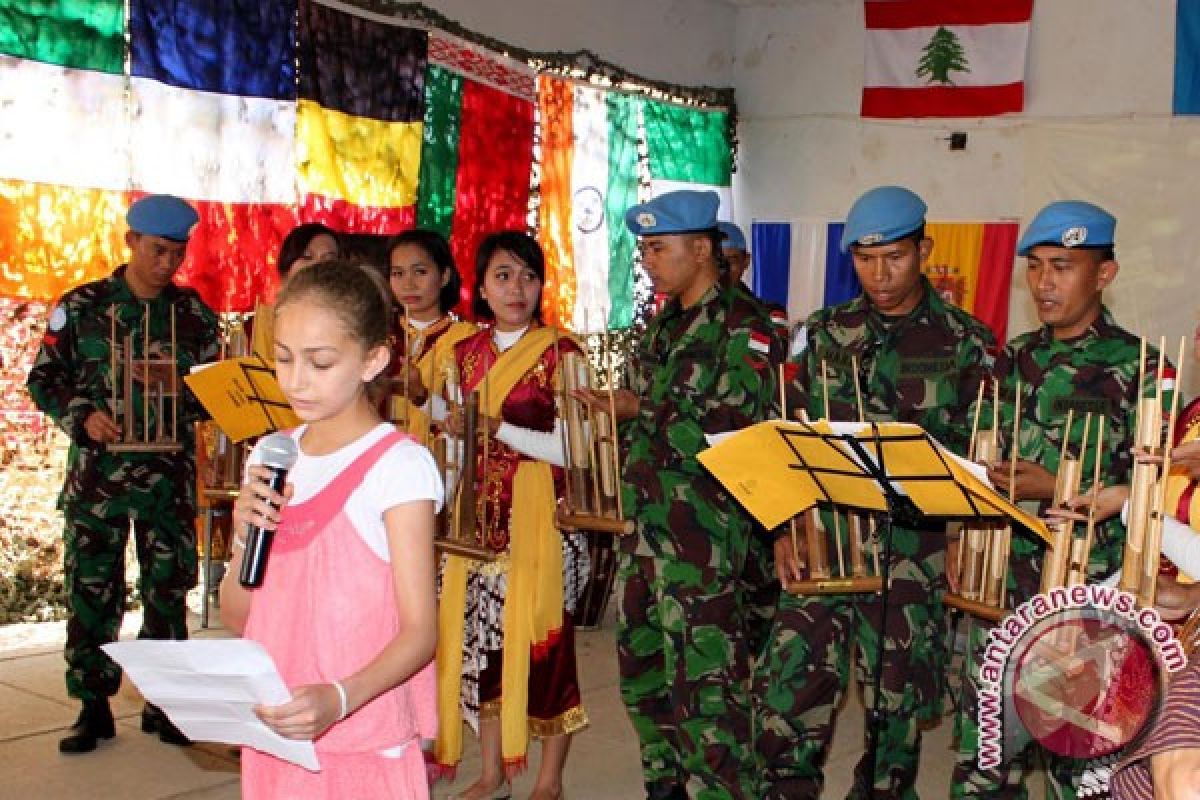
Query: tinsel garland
<point x="581" y="64"/>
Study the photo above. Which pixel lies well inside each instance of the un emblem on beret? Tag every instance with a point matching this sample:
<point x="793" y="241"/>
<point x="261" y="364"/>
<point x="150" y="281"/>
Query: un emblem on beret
<point x="647" y="220"/>
<point x="1073" y="237"/>
<point x="870" y="239"/>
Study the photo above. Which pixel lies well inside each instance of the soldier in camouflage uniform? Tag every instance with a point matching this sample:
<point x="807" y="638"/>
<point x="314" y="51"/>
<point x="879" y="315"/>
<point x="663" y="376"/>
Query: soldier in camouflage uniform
<point x="760" y="582"/>
<point x="71" y="381"/>
<point x="1080" y="360"/>
<point x="703" y="366"/>
<point x="919" y="360"/>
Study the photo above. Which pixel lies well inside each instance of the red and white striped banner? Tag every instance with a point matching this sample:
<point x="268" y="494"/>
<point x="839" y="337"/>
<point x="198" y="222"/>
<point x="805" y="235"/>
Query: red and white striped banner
<point x="933" y="58"/>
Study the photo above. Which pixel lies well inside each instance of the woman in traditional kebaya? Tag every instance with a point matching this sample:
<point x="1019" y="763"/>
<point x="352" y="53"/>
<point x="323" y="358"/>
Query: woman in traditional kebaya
<point x="305" y="245"/>
<point x="425" y="285"/>
<point x="506" y="646"/>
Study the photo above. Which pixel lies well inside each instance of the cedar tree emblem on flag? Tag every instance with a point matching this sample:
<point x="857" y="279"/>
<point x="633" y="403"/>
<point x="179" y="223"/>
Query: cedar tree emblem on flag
<point x="944" y="54"/>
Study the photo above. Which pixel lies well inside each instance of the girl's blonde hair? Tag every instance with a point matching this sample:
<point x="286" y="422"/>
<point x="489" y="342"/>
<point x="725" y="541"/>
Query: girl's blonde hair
<point x="354" y="292"/>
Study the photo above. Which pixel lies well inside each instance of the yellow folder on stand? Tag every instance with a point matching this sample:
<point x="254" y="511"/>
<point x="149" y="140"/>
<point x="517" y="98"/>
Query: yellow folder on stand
<point x="779" y="469"/>
<point x="243" y="397"/>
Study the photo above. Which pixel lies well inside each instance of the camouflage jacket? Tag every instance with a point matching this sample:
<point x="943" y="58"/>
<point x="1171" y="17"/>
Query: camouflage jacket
<point x="773" y="311"/>
<point x="1095" y="373"/>
<point x="72" y="377"/>
<point x="700" y="370"/>
<point x="924" y="368"/>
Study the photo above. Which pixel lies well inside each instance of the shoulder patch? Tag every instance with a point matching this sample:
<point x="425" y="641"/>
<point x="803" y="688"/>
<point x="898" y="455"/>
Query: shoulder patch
<point x="799" y="341"/>
<point x="58" y="319"/>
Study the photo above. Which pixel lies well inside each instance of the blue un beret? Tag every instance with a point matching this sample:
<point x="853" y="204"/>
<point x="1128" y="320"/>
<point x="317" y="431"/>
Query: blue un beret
<point x="734" y="238"/>
<point x="683" y="211"/>
<point x="162" y="215"/>
<point x="883" y="215"/>
<point x="1069" y="223"/>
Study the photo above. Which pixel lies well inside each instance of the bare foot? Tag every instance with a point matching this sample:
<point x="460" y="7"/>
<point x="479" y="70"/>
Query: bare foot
<point x="488" y="787"/>
<point x="544" y="793"/>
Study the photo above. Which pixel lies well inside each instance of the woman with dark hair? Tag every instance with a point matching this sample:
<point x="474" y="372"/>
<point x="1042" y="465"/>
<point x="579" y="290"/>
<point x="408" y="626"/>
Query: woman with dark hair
<point x="425" y="287"/>
<point x="506" y="645"/>
<point x="305" y="245"/>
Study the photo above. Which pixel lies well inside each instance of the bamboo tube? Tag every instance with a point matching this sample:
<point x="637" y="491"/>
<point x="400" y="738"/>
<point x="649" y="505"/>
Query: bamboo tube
<point x="1152" y="557"/>
<point x="146" y="373"/>
<point x="1147" y="436"/>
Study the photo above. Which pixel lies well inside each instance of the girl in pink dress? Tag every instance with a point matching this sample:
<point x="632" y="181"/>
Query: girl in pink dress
<point x="347" y="608"/>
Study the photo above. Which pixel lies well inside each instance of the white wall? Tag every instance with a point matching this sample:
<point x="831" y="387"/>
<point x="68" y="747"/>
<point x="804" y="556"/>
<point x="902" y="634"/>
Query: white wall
<point x="1097" y="126"/>
<point x="680" y="41"/>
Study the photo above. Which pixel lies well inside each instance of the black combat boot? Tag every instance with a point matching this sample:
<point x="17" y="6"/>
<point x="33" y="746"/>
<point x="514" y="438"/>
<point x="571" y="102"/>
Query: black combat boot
<point x="155" y="721"/>
<point x="95" y="722"/>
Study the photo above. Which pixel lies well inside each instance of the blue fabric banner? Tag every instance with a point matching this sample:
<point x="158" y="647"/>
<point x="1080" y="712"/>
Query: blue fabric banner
<point x="238" y="47"/>
<point x="771" y="250"/>
<point x="1187" y="57"/>
<point x="841" y="282"/>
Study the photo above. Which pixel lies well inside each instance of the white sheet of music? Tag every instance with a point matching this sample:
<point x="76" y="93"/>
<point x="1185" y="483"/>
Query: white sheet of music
<point x="209" y="688"/>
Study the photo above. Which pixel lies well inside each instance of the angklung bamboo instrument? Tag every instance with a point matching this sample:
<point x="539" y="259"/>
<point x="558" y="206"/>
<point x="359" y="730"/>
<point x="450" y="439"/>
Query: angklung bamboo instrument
<point x="1148" y="488"/>
<point x="162" y="400"/>
<point x="592" y="462"/>
<point x="821" y="577"/>
<point x="463" y="535"/>
<point x="981" y="567"/>
<point x="1057" y="565"/>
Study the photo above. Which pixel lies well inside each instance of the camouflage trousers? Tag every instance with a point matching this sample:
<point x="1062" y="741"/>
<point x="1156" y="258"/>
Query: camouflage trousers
<point x="685" y="679"/>
<point x="804" y="672"/>
<point x="1063" y="775"/>
<point x="95" y="582"/>
<point x="761" y="590"/>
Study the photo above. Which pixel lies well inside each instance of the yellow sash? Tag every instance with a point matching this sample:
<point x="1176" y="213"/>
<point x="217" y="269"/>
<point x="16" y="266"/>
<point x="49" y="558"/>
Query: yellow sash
<point x="262" y="338"/>
<point x="533" y="605"/>
<point x="433" y="376"/>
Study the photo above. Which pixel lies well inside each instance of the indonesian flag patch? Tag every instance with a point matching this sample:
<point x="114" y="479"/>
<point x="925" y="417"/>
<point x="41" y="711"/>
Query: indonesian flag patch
<point x="1168" y="377"/>
<point x="760" y="342"/>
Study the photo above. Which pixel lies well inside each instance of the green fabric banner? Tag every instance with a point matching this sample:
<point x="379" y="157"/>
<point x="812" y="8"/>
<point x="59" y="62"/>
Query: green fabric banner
<point x="621" y="194"/>
<point x="439" y="150"/>
<point x="689" y="145"/>
<point x="87" y="34"/>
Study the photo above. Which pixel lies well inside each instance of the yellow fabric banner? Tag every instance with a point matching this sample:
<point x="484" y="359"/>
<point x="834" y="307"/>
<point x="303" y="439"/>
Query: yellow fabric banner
<point x="362" y="161"/>
<point x="953" y="266"/>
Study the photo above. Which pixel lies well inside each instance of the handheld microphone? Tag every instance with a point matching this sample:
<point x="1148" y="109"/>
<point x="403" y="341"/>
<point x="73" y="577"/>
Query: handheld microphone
<point x="279" y="455"/>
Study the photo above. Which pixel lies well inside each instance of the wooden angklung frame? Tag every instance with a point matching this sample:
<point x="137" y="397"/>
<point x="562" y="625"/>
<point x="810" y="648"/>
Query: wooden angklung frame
<point x="1142" y="557"/>
<point x="981" y="567"/>
<point x="592" y="463"/>
<point x="822" y="576"/>
<point x="156" y="397"/>
<point x="460" y="532"/>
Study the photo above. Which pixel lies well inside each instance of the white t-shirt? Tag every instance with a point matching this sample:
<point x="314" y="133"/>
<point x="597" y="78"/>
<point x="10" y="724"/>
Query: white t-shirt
<point x="404" y="474"/>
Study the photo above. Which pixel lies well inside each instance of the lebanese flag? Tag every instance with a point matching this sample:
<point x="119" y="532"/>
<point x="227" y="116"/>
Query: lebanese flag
<point x="932" y="58"/>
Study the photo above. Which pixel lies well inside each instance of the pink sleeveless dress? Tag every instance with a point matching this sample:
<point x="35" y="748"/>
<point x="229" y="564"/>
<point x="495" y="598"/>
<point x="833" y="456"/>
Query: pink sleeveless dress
<point x="327" y="608"/>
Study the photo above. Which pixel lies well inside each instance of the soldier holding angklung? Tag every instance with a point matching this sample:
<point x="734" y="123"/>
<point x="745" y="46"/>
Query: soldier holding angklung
<point x="72" y="381"/>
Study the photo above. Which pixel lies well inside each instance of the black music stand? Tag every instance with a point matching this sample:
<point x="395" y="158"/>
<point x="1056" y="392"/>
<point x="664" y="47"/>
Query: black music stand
<point x="892" y="469"/>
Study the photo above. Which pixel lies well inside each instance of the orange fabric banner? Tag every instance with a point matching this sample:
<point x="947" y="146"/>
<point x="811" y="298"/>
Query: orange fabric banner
<point x="555" y="104"/>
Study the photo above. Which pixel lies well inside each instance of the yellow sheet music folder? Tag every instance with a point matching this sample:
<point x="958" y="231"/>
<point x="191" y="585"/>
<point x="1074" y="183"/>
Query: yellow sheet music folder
<point x="778" y="469"/>
<point x="243" y="397"/>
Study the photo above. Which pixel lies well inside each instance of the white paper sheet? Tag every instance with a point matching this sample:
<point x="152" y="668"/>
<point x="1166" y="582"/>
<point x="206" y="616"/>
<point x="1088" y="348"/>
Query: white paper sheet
<point x="209" y="688"/>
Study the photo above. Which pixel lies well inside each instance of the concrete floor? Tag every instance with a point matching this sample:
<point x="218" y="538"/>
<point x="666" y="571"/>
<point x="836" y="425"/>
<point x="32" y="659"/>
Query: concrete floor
<point x="35" y="711"/>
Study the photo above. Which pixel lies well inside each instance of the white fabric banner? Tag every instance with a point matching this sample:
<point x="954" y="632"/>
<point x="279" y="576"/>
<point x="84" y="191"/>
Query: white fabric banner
<point x="63" y="126"/>
<point x="589" y="223"/>
<point x="994" y="54"/>
<point x="209" y="146"/>
<point x="806" y="272"/>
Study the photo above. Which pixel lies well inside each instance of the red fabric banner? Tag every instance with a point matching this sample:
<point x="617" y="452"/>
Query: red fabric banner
<point x="495" y="157"/>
